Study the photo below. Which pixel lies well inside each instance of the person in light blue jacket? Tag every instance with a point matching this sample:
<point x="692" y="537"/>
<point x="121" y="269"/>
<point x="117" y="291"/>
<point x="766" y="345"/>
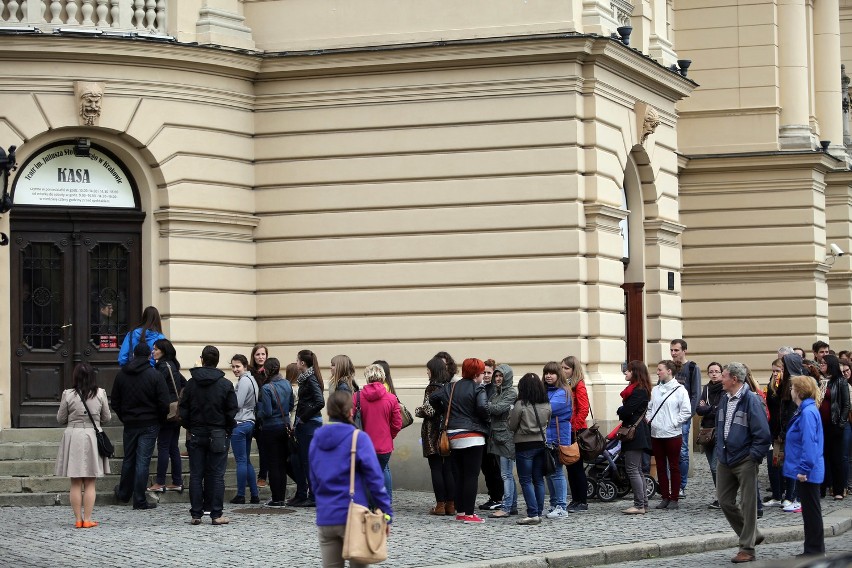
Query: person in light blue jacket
<point x="151" y="329"/>
<point x="559" y="394"/>
<point x="803" y="461"/>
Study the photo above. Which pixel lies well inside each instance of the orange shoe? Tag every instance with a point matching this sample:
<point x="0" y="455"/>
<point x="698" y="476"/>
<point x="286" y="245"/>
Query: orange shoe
<point x="78" y="525"/>
<point x="89" y="524"/>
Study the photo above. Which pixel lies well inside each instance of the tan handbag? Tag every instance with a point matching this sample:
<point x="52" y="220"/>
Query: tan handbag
<point x="366" y="537"/>
<point x="444" y="439"/>
<point x="568" y="455"/>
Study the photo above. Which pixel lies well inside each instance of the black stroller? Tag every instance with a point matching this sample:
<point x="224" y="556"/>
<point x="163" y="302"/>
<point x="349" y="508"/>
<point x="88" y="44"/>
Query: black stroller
<point x="607" y="479"/>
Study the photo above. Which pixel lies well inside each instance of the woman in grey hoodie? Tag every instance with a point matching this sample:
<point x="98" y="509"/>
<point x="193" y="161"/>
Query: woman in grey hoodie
<point x="247" y="396"/>
<point x="501" y="441"/>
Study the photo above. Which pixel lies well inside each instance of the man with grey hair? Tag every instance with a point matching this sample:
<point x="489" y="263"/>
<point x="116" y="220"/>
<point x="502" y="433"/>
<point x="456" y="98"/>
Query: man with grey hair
<point x="784" y="351"/>
<point x="742" y="440"/>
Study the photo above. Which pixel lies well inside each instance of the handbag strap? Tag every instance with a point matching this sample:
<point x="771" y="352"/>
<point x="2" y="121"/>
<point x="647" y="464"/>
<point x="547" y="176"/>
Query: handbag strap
<point x="449" y="407"/>
<point x="95" y="426"/>
<point x="659" y="408"/>
<point x="537" y="421"/>
<point x="352" y="465"/>
<point x="285" y="417"/>
<point x="169" y="367"/>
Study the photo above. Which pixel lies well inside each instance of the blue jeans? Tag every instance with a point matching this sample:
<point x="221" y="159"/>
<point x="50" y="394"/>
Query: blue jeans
<point x="531" y="475"/>
<point x="169" y="451"/>
<point x="712" y="460"/>
<point x="138" y="450"/>
<point x="557" y="486"/>
<point x="304" y="435"/>
<point x="847" y="440"/>
<point x="207" y="461"/>
<point x="510" y="490"/>
<point x="684" y="454"/>
<point x="241" y="444"/>
<point x="384" y="463"/>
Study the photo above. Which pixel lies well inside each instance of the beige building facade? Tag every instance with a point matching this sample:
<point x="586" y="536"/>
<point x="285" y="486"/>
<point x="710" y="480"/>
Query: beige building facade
<point x="386" y="179"/>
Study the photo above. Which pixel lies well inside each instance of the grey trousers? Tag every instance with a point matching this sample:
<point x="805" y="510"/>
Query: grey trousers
<point x="730" y="479"/>
<point x="331" y="547"/>
<point x="633" y="465"/>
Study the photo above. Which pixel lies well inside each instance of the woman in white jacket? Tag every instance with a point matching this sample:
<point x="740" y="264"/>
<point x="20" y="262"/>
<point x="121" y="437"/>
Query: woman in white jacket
<point x="668" y="410"/>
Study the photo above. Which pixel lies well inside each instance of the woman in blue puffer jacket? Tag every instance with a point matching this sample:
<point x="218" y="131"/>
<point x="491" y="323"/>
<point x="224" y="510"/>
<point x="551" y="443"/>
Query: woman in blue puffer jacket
<point x="559" y="394"/>
<point x="803" y="461"/>
<point x="151" y="329"/>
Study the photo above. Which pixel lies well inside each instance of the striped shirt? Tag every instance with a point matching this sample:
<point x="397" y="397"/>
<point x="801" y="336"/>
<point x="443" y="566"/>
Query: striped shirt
<point x="732" y="405"/>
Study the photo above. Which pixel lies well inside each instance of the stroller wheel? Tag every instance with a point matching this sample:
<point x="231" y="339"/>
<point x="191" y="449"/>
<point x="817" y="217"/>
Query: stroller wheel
<point x="651" y="486"/>
<point x="607" y="491"/>
<point x="591" y="488"/>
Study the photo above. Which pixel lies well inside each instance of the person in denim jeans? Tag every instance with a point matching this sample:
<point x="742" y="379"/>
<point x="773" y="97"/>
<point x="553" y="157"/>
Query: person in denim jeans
<point x="168" y="450"/>
<point x="309" y="405"/>
<point x="208" y="409"/>
<point x="248" y="393"/>
<point x="528" y="420"/>
<point x="141" y="400"/>
<point x="501" y="443"/>
<point x="558" y="434"/>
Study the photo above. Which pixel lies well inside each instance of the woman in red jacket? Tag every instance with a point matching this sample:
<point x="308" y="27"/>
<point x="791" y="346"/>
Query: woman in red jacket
<point x="380" y="417"/>
<point x="573" y="370"/>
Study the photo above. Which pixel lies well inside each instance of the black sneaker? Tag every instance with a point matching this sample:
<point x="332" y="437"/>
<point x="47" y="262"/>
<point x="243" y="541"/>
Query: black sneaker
<point x="714" y="505"/>
<point x="760" y="514"/>
<point x="578" y="508"/>
<point x="255" y="500"/>
<point x="295" y="502"/>
<point x="238" y="500"/>
<point x="513" y="512"/>
<point x="489" y="505"/>
<point x="309" y="503"/>
<point x="117" y="497"/>
<point x="145" y="507"/>
<point x="272" y="503"/>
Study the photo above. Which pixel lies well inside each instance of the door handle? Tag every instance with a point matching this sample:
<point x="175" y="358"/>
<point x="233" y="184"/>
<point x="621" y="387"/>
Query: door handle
<point x="66" y="325"/>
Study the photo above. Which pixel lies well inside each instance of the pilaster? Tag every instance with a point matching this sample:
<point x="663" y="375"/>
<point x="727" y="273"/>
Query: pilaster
<point x="221" y="23"/>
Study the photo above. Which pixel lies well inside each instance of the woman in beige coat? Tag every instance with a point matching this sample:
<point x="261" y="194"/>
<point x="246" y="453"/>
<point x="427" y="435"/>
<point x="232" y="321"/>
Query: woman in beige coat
<point x="78" y="450"/>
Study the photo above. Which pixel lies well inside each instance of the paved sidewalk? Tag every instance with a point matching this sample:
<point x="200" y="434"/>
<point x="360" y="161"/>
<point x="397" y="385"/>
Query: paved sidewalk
<point x="44" y="536"/>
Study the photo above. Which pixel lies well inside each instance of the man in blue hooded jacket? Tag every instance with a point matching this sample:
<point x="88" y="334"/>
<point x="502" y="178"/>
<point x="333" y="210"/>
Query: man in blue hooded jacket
<point x="742" y="440"/>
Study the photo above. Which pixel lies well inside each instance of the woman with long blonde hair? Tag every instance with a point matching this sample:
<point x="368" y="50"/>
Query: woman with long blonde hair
<point x="342" y="375"/>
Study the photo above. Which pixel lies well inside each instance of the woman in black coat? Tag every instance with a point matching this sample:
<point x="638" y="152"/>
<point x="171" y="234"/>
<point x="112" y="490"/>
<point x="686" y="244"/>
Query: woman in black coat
<point x="635" y="400"/>
<point x="708" y="404"/>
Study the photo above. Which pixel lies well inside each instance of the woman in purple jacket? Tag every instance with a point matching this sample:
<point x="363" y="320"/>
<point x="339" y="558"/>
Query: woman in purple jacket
<point x="329" y="457"/>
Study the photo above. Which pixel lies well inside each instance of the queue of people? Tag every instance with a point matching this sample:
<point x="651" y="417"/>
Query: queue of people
<point x="476" y="421"/>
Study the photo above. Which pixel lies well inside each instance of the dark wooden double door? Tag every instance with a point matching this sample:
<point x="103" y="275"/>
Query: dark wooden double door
<point x="75" y="292"/>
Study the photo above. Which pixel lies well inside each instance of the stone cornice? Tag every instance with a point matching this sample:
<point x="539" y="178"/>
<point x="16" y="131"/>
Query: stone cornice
<point x="118" y="50"/>
<point x="206" y="224"/>
<point x="762" y="160"/>
<point x="600" y="217"/>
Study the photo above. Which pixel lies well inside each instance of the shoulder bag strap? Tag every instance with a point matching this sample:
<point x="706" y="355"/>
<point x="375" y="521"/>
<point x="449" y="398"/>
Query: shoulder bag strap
<point x="659" y="408"/>
<point x="286" y="417"/>
<point x="169" y="367"/>
<point x="352" y="465"/>
<point x="537" y="421"/>
<point x="449" y="407"/>
<point x="558" y="437"/>
<point x="87" y="411"/>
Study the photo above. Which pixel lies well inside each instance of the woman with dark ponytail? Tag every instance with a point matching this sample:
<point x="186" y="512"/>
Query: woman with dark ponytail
<point x="308" y="419"/>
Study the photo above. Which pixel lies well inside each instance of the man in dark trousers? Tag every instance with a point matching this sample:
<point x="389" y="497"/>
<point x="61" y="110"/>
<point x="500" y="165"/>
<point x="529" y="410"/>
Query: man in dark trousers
<point x="208" y="406"/>
<point x="141" y="400"/>
<point x="689" y="375"/>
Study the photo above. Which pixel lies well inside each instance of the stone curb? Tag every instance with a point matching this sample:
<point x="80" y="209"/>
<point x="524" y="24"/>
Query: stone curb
<point x="835" y="524"/>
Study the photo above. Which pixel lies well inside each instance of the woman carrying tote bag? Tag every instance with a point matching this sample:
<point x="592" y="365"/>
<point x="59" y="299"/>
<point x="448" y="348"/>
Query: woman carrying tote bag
<point x="330" y="457"/>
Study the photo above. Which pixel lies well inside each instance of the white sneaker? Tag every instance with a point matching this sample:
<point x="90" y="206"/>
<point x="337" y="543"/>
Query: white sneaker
<point x="785" y="503"/>
<point x="794" y="507"/>
<point x="557" y="513"/>
<point x="772" y="503"/>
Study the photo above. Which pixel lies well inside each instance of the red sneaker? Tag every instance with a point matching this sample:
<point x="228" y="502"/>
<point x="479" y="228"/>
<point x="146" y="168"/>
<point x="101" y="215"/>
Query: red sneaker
<point x="471" y="519"/>
<point x="461" y="517"/>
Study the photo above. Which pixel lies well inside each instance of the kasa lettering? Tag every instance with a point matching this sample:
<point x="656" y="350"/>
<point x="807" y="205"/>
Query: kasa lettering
<point x="74" y="176"/>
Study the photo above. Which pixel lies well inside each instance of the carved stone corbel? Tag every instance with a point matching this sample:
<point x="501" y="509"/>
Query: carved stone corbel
<point x="647" y="121"/>
<point x="89" y="97"/>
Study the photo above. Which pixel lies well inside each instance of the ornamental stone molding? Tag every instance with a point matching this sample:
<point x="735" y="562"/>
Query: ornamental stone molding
<point x="89" y="97"/>
<point x="648" y="119"/>
<point x="206" y="224"/>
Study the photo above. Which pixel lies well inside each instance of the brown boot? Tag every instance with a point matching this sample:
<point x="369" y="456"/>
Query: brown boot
<point x="438" y="509"/>
<point x="450" y="508"/>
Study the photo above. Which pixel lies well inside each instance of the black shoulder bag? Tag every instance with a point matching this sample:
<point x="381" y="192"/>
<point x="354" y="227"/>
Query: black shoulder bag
<point x="549" y="460"/>
<point x="105" y="447"/>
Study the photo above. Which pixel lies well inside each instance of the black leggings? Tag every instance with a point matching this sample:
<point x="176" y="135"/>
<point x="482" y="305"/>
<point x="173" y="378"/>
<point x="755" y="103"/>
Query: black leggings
<point x="577" y="481"/>
<point x="833" y="458"/>
<point x="275" y="446"/>
<point x="466" y="465"/>
<point x="443" y="482"/>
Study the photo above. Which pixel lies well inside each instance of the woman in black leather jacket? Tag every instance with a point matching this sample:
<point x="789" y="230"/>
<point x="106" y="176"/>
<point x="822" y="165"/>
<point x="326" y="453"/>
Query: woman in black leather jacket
<point x="308" y="419"/>
<point x="466" y="429"/>
<point x="834" y="410"/>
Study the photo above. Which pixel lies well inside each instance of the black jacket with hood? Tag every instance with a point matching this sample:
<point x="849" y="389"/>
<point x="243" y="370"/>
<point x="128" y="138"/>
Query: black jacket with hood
<point x="793" y="367"/>
<point x="139" y="394"/>
<point x="208" y="402"/>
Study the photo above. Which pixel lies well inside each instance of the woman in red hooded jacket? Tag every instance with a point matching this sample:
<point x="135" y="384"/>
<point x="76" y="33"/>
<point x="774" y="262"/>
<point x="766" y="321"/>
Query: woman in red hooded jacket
<point x="573" y="370"/>
<point x="380" y="417"/>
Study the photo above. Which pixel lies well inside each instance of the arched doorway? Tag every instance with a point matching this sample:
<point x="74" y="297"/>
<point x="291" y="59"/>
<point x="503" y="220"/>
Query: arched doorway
<point x="76" y="279"/>
<point x="633" y="235"/>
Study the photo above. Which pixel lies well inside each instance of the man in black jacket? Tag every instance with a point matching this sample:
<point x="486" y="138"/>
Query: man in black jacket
<point x="141" y="400"/>
<point x="208" y="407"/>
